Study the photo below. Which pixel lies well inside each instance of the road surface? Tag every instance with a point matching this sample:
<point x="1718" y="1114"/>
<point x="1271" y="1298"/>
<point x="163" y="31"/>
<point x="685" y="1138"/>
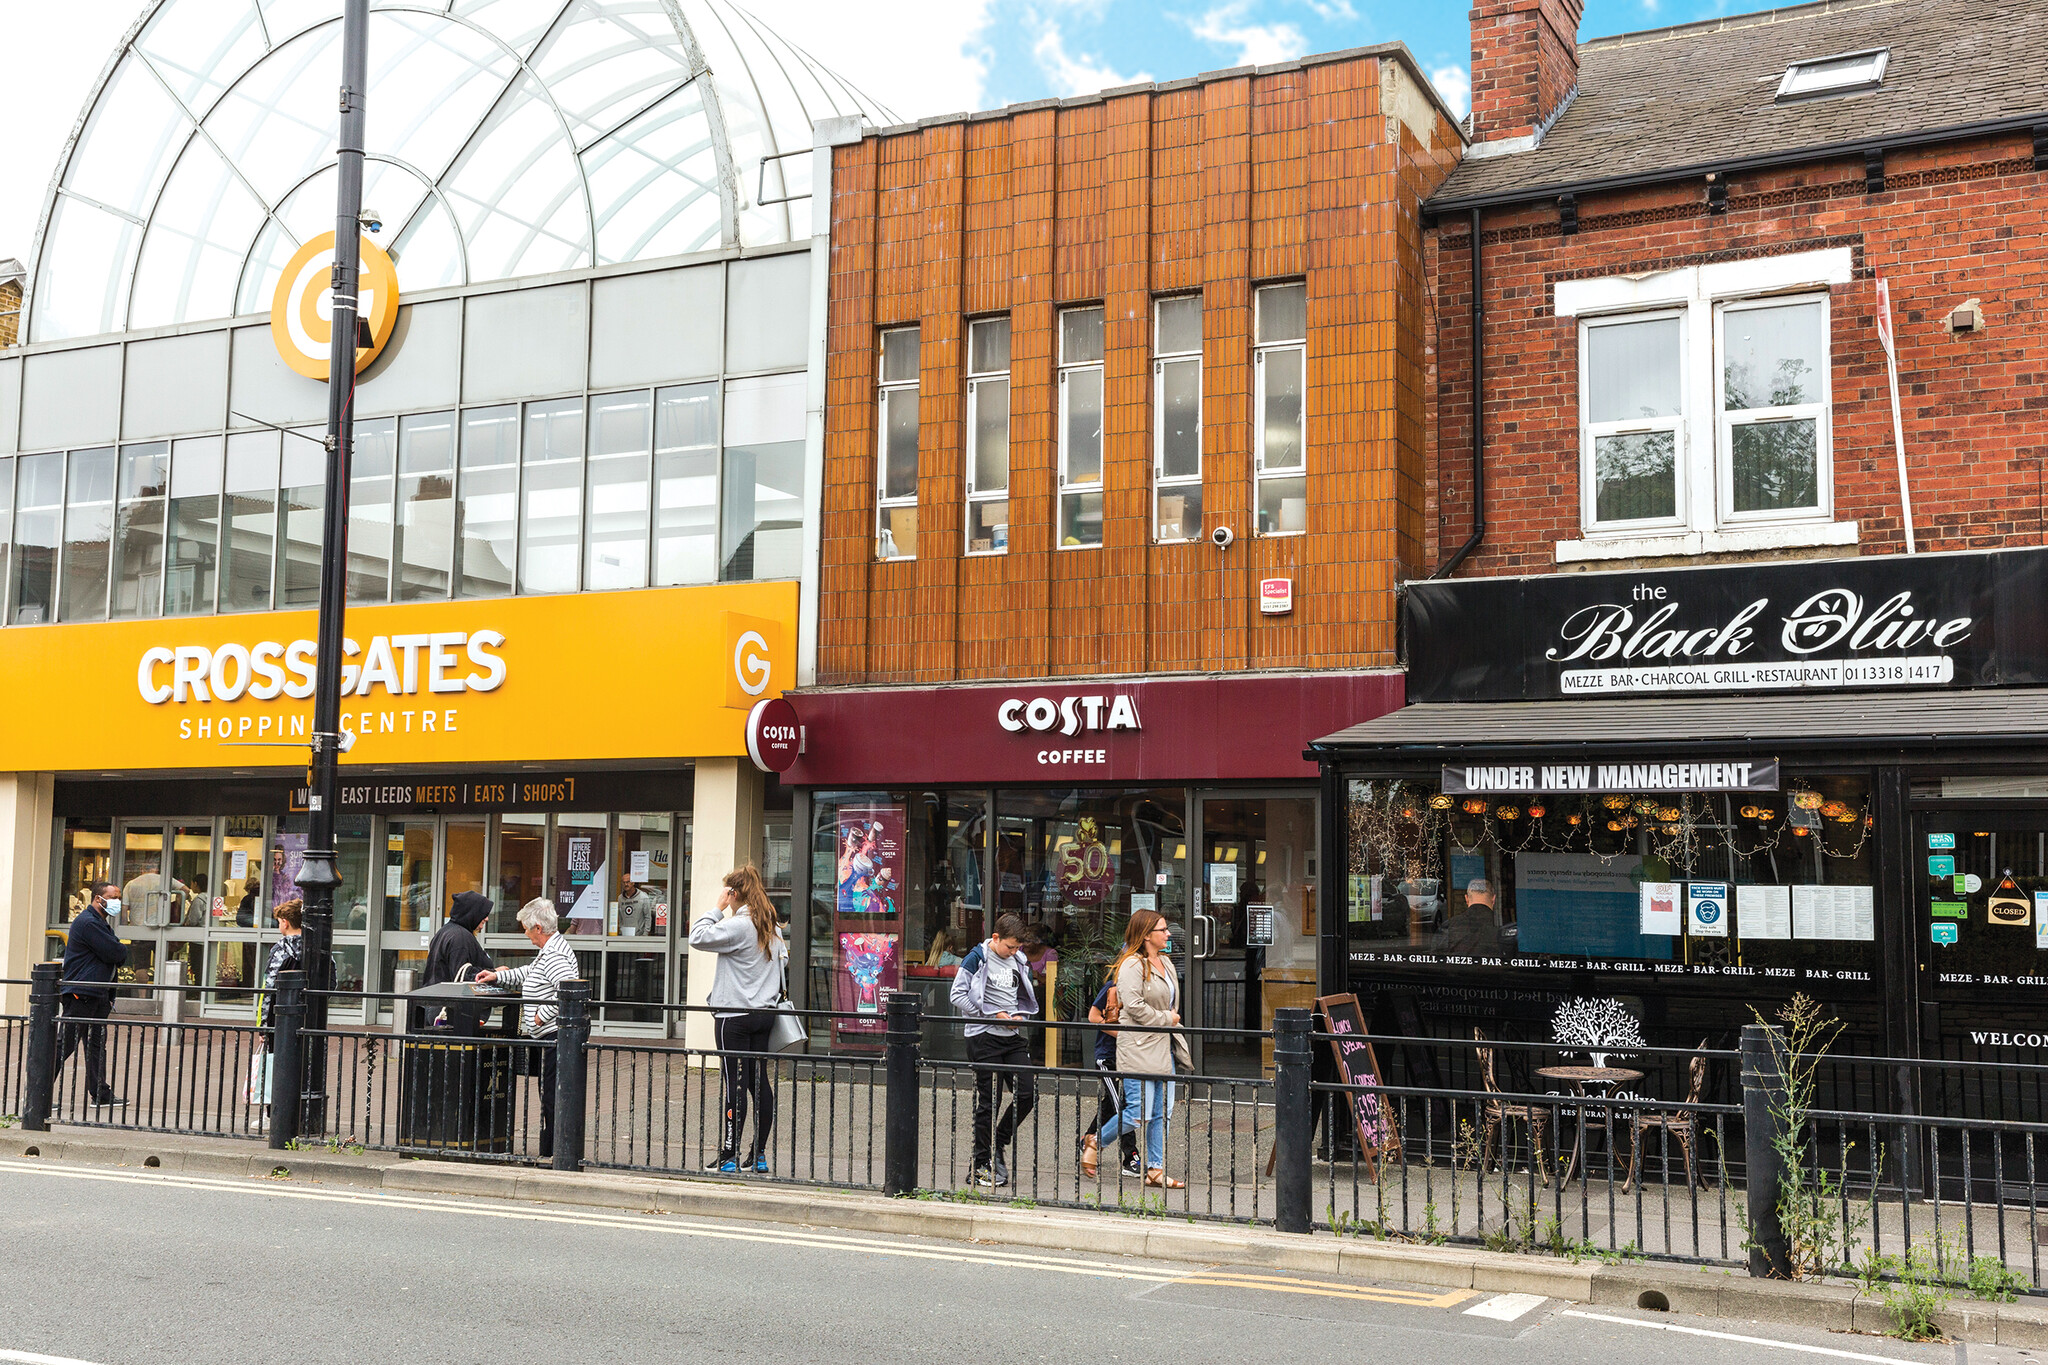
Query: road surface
<point x="123" y="1267"/>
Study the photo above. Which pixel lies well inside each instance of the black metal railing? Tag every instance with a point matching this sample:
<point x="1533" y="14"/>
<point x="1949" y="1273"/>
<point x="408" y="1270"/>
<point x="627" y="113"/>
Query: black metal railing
<point x="1499" y="1143"/>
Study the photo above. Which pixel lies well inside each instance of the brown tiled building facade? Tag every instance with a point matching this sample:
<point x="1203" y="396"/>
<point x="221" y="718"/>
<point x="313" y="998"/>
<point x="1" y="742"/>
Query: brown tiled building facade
<point x="1308" y="173"/>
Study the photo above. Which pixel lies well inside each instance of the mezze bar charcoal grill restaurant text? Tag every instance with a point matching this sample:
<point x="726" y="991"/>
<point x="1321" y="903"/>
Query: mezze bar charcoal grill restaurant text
<point x="1694" y="792"/>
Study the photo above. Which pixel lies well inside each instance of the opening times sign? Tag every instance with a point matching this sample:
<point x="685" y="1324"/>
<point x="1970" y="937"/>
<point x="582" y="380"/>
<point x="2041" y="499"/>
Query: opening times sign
<point x="1550" y="779"/>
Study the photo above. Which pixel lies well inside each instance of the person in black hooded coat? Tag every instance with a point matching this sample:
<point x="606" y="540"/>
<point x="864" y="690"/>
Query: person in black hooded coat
<point x="456" y="947"/>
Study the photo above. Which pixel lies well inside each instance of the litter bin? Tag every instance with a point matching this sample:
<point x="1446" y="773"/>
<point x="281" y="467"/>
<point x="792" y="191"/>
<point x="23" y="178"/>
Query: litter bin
<point x="454" y="1090"/>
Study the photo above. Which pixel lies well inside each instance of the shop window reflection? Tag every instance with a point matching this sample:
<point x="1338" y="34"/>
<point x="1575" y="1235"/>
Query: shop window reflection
<point x="522" y="863"/>
<point x="1528" y="880"/>
<point x="88" y="857"/>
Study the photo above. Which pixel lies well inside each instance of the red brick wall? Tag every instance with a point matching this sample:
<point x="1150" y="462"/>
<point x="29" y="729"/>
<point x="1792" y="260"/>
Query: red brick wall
<point x="1959" y="222"/>
<point x="1524" y="62"/>
<point x="1215" y="187"/>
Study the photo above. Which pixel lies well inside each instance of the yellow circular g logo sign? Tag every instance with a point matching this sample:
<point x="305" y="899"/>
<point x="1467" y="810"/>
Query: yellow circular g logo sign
<point x="302" y="313"/>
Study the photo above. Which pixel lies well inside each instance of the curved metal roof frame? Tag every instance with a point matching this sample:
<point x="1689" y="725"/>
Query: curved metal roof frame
<point x="739" y="221"/>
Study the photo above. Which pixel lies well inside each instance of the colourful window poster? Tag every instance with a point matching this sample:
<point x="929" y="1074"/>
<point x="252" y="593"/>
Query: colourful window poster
<point x="870" y="873"/>
<point x="1660" y="906"/>
<point x="870" y="963"/>
<point x="287" y="855"/>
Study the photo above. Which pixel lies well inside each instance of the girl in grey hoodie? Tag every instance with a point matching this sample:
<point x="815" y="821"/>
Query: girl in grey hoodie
<point x="741" y="929"/>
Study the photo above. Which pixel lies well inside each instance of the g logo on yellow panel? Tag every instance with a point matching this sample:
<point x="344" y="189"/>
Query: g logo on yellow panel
<point x="302" y="312"/>
<point x="754" y="647"/>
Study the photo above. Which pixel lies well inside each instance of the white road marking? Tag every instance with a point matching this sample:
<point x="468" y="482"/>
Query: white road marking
<point x="30" y="1358"/>
<point x="1506" y="1307"/>
<point x="1828" y="1351"/>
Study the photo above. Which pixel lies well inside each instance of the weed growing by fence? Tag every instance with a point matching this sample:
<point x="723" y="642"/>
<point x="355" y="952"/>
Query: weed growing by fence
<point x="1811" y="1204"/>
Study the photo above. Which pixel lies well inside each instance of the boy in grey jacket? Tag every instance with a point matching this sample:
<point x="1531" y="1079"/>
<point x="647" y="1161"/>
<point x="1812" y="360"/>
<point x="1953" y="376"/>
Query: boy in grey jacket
<point x="993" y="985"/>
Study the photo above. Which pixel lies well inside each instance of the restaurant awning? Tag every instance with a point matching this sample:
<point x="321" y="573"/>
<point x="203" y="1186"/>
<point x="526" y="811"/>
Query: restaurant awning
<point x="1913" y="719"/>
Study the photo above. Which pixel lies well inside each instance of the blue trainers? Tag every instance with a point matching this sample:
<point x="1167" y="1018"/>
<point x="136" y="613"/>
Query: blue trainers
<point x="729" y="1168"/>
<point x="761" y="1166"/>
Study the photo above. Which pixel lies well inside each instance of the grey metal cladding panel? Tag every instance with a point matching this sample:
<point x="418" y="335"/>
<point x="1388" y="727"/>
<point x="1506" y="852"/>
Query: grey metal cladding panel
<point x="1689" y="96"/>
<point x="71" y="398"/>
<point x="1988" y="712"/>
<point x="175" y="385"/>
<point x="420" y="366"/>
<point x="657" y="328"/>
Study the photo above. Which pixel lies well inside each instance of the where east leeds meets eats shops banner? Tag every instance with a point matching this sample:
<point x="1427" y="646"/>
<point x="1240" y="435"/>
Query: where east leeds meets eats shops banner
<point x="1949" y="620"/>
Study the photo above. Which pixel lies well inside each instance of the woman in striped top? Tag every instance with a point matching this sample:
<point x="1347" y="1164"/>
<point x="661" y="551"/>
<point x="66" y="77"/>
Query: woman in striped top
<point x="539" y="981"/>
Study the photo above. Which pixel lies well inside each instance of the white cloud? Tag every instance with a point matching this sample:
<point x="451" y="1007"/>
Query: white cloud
<point x="1256" y="44"/>
<point x="1069" y="74"/>
<point x="1454" y="83"/>
<point x="929" y="58"/>
<point x="1333" y="11"/>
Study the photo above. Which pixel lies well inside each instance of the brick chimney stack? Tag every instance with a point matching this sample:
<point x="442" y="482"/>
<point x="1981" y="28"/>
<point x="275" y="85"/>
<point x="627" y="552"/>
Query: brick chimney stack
<point x="1525" y="60"/>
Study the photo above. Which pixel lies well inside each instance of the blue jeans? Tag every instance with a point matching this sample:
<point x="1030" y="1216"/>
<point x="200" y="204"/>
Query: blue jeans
<point x="1149" y="1102"/>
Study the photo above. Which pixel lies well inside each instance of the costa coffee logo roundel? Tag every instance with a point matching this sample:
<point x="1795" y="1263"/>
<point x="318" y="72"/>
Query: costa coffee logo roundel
<point x="302" y="310"/>
<point x="774" y="736"/>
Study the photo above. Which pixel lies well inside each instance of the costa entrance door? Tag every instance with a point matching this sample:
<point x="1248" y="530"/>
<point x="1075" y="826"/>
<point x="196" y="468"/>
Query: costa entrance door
<point x="1253" y="946"/>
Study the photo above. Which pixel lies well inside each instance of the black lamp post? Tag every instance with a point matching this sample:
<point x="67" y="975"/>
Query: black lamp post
<point x="317" y="874"/>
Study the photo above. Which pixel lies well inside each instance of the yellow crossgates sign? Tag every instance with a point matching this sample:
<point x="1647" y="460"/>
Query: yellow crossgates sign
<point x="302" y="311"/>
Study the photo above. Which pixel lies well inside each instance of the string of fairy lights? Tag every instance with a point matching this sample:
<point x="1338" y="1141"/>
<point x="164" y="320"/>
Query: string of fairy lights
<point x="1396" y="822"/>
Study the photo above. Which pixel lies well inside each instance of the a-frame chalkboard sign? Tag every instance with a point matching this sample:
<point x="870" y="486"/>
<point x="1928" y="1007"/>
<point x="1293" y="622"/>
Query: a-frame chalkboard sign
<point x="1379" y="1132"/>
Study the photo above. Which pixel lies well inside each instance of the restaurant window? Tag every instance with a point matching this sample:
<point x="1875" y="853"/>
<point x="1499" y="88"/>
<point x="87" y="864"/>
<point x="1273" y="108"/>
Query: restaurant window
<point x="249" y="521"/>
<point x="88" y="535"/>
<point x="988" y="435"/>
<point x="38" y="527"/>
<point x="615" y="528"/>
<point x="1177" y="418"/>
<point x="139" y="531"/>
<point x="686" y="485"/>
<point x="896" y="457"/>
<point x="896" y="890"/>
<point x="1776" y="885"/>
<point x="1280" y="373"/>
<point x="1080" y="418"/>
<point x="424" y="544"/>
<point x="551" y="498"/>
<point x="302" y="500"/>
<point x="487" y="515"/>
<point x="764" y="478"/>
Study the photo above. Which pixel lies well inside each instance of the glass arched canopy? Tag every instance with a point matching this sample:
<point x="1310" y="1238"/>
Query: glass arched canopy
<point x="505" y="138"/>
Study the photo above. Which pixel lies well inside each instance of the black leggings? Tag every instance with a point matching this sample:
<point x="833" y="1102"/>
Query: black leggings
<point x="746" y="1033"/>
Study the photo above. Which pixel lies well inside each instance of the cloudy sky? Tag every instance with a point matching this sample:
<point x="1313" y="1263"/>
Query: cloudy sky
<point x="928" y="57"/>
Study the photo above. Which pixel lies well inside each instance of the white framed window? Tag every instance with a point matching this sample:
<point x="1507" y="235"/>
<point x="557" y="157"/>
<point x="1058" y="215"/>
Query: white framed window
<point x="1773" y="450"/>
<point x="1631" y="392"/>
<point x="1080" y="418"/>
<point x="896" y="445"/>
<point x="1834" y="75"/>
<point x="1705" y="410"/>
<point x="1177" y="418"/>
<point x="1280" y="380"/>
<point x="988" y="436"/>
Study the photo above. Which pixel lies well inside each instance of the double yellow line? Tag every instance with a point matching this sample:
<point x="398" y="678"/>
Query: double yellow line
<point x="817" y="1241"/>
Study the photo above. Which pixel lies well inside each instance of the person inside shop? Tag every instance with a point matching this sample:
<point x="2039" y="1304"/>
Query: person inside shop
<point x="992" y="988"/>
<point x="1103" y="1014"/>
<point x="741" y="929"/>
<point x="93" y="952"/>
<point x="1476" y="928"/>
<point x="456" y="955"/>
<point x="196" y="903"/>
<point x="942" y="952"/>
<point x="149" y="896"/>
<point x="540" y="983"/>
<point x="1148" y="995"/>
<point x="1038" y="949"/>
<point x="636" y="909"/>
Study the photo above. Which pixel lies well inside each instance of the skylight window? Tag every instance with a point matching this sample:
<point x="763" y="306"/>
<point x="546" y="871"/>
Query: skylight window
<point x="1834" y="75"/>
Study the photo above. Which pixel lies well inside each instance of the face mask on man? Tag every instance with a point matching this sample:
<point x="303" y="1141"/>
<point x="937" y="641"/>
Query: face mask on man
<point x="111" y="907"/>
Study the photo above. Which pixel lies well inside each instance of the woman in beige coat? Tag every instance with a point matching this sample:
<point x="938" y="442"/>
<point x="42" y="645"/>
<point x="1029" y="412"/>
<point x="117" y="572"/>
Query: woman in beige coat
<point x="1148" y="994"/>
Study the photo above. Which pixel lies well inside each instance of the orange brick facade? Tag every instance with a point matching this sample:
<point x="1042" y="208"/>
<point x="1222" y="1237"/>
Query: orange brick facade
<point x="1954" y="222"/>
<point x="1308" y="173"/>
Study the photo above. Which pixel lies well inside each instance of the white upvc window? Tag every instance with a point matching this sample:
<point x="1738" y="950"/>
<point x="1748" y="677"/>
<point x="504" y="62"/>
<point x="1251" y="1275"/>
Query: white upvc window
<point x="1704" y="408"/>
<point x="988" y="436"/>
<point x="1632" y="432"/>
<point x="896" y="445"/>
<point x="1772" y="448"/>
<point x="1080" y="419"/>
<point x="1177" y="418"/>
<point x="1280" y="380"/>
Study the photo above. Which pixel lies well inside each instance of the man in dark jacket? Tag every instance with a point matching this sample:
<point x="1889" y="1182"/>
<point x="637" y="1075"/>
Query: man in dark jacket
<point x="454" y="947"/>
<point x="92" y="951"/>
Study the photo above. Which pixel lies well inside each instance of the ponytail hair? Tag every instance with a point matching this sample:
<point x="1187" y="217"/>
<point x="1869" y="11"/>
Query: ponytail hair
<point x="745" y="882"/>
